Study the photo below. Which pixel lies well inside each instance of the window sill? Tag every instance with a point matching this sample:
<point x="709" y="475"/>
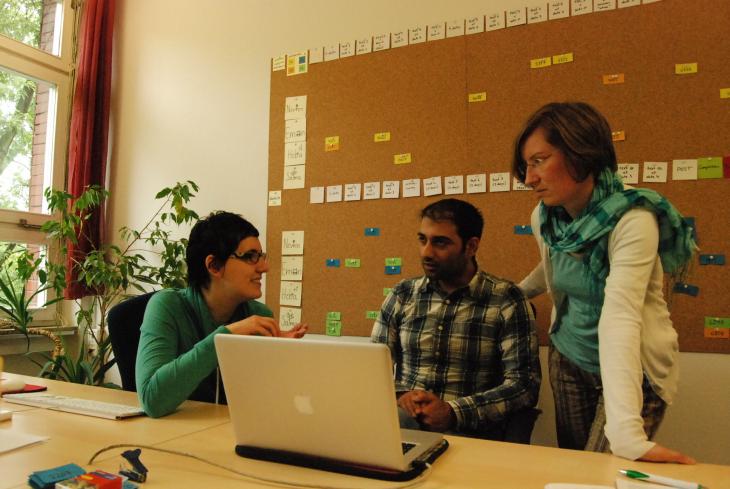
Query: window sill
<point x="14" y="343"/>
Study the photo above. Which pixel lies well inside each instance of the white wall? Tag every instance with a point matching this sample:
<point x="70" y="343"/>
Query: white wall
<point x="191" y="101"/>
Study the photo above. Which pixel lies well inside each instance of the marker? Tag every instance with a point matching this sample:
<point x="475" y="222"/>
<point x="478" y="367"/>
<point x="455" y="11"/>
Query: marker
<point x="633" y="474"/>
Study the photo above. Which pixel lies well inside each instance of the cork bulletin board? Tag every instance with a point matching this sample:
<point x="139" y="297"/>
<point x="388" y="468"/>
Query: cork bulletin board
<point x="665" y="109"/>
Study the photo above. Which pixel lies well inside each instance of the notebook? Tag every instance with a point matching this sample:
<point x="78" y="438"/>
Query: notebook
<point x="322" y="404"/>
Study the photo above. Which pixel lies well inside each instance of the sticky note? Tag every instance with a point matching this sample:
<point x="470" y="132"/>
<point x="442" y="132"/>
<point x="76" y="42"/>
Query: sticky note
<point x="717" y="333"/>
<point x="295" y="153"/>
<point x="387" y="290"/>
<point x="455" y="28"/>
<point x="334" y="193"/>
<point x="715" y="322"/>
<point x="495" y="20"/>
<point x="295" y="130"/>
<point x="476" y="184"/>
<point x="363" y="46"/>
<point x="316" y="55"/>
<point x="372" y="231"/>
<point x="392" y="270"/>
<point x="292" y="242"/>
<point x="332" y="262"/>
<point x="391" y="189"/>
<point x="478" y="97"/>
<point x="540" y="62"/>
<point x="332" y="52"/>
<point x="684" y="169"/>
<point x="417" y="34"/>
<point x="371" y="314"/>
<point x="629" y="172"/>
<point x="380" y="137"/>
<point x="523" y="229"/>
<point x="352" y="262"/>
<point x="726" y="166"/>
<point x="712" y="259"/>
<point x="618" y="136"/>
<point x="499" y="182"/>
<point x="394" y="261"/>
<point x="559" y="9"/>
<point x="332" y="143"/>
<point x="537" y="13"/>
<point x="381" y="42"/>
<point x="475" y="25"/>
<point x="278" y="63"/>
<point x="655" y="171"/>
<point x="517" y="185"/>
<point x="336" y="315"/>
<point x="709" y="168"/>
<point x="347" y="49"/>
<point x="372" y="190"/>
<point x="581" y="7"/>
<point x="685" y="68"/>
<point x="559" y="59"/>
<point x="289" y="317"/>
<point x="603" y="5"/>
<point x="292" y="267"/>
<point x="333" y="328"/>
<point x="516" y="16"/>
<point x="290" y="294"/>
<point x="402" y="159"/>
<point x="725" y="92"/>
<point x="436" y="31"/>
<point x="613" y="79"/>
<point x="432" y="186"/>
<point x="316" y="195"/>
<point x="688" y="289"/>
<point x="412" y="187"/>
<point x="454" y="185"/>
<point x="295" y="107"/>
<point x="353" y="191"/>
<point x="274" y="198"/>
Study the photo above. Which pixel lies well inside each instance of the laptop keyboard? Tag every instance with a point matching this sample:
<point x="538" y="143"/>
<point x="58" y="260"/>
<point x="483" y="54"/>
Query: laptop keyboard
<point x="407" y="446"/>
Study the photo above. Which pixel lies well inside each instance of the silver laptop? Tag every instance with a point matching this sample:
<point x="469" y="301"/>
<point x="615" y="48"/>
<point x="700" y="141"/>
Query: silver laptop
<point x="330" y="401"/>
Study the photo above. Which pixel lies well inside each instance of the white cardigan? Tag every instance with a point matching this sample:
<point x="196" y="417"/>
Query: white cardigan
<point x="635" y="333"/>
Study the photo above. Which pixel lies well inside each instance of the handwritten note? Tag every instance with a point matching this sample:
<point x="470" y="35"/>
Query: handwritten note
<point x="316" y="55"/>
<point x="295" y="153"/>
<point x="454" y="185"/>
<point x="417" y="34"/>
<point x="334" y="193"/>
<point x="580" y="7"/>
<point x="604" y="5"/>
<point x="391" y="189"/>
<point x="332" y="52"/>
<point x="537" y="13"/>
<point x="278" y="63"/>
<point x="289" y="317"/>
<point x="629" y="3"/>
<point x="352" y="191"/>
<point x="613" y="79"/>
<point x="436" y="31"/>
<point x="402" y="159"/>
<point x="475" y="25"/>
<point x="411" y="187"/>
<point x="709" y="167"/>
<point x="495" y="20"/>
<point x="292" y="242"/>
<point x="274" y="198"/>
<point x="541" y="62"/>
<point x="517" y="185"/>
<point x="559" y="9"/>
<point x="292" y="267"/>
<point x="478" y="97"/>
<point x="295" y="107"/>
<point x="331" y="143"/>
<point x="476" y="184"/>
<point x="685" y="68"/>
<point x="398" y="39"/>
<point x="364" y="45"/>
<point x="294" y="177"/>
<point x="655" y="171"/>
<point x="432" y="186"/>
<point x="516" y="16"/>
<point x="295" y="130"/>
<point x="381" y="137"/>
<point x="371" y="190"/>
<point x="347" y="49"/>
<point x="559" y="59"/>
<point x="499" y="182"/>
<point x="629" y="172"/>
<point x="381" y="42"/>
<point x="684" y="170"/>
<point x="290" y="294"/>
<point x="455" y="28"/>
<point x="316" y="195"/>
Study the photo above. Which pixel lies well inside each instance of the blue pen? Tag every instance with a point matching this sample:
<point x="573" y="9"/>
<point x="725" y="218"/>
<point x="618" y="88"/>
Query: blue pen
<point x="666" y="481"/>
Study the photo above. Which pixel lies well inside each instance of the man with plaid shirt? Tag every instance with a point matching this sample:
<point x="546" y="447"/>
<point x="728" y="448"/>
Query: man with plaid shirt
<point x="463" y="341"/>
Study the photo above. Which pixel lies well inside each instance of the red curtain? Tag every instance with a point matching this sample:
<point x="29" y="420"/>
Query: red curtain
<point x="90" y="124"/>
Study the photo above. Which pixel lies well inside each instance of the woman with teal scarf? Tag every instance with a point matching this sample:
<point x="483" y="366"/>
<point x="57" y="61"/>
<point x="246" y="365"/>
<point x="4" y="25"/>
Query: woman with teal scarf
<point x="604" y="249"/>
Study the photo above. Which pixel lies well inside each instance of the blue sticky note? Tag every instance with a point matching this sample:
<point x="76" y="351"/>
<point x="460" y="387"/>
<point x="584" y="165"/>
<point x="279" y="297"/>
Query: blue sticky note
<point x="712" y="259"/>
<point x="392" y="270"/>
<point x="333" y="262"/>
<point x="688" y="289"/>
<point x="372" y="231"/>
<point x="523" y="229"/>
<point x="690" y="221"/>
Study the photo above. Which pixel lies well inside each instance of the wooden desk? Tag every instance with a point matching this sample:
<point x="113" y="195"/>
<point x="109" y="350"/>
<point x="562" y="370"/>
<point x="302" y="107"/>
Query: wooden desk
<point x="203" y="430"/>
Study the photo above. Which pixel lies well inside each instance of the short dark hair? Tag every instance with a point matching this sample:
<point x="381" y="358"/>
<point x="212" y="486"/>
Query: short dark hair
<point x="579" y="131"/>
<point x="467" y="219"/>
<point x="219" y="235"/>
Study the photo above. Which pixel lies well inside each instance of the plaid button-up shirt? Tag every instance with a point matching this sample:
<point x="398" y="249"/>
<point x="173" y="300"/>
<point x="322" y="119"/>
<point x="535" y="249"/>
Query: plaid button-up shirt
<point x="476" y="348"/>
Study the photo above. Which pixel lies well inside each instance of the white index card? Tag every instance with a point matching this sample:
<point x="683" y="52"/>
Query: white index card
<point x="436" y="31"/>
<point x="398" y="39"/>
<point x="475" y="25"/>
<point x="580" y="7"/>
<point x="516" y="16"/>
<point x="537" y="13"/>
<point x="432" y="186"/>
<point x="454" y="185"/>
<point x="278" y="63"/>
<point x="352" y="191"/>
<point x="499" y="182"/>
<point x="274" y="198"/>
<point x="476" y="184"/>
<point x="292" y="242"/>
<point x="295" y="130"/>
<point x="295" y="107"/>
<point x="412" y="187"/>
<point x="334" y="193"/>
<point x="364" y="45"/>
<point x="290" y="294"/>
<point x="371" y="190"/>
<point x="603" y="5"/>
<point x="495" y="20"/>
<point x="292" y="267"/>
<point x="391" y="189"/>
<point x="629" y="172"/>
<point x="455" y="28"/>
<point x="316" y="195"/>
<point x="294" y="177"/>
<point x="684" y="170"/>
<point x="332" y="52"/>
<point x="655" y="171"/>
<point x="381" y="42"/>
<point x="650" y="1"/>
<point x="558" y="9"/>
<point x="289" y="317"/>
<point x="417" y="34"/>
<point x="347" y="49"/>
<point x="628" y="3"/>
<point x="517" y="185"/>
<point x="316" y="55"/>
<point x="295" y="153"/>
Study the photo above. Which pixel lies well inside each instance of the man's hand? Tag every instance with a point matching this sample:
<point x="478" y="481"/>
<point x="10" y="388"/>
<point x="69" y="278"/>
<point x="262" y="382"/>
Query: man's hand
<point x="660" y="453"/>
<point x="299" y="330"/>
<point x="255" y="325"/>
<point x="432" y="412"/>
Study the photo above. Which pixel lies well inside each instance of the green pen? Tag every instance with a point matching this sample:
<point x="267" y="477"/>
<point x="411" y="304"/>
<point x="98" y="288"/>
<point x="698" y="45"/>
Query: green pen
<point x="666" y="481"/>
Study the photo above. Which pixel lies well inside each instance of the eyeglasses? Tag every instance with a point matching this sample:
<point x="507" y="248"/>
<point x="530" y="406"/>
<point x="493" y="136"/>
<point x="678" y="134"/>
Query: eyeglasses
<point x="251" y="257"/>
<point x="536" y="162"/>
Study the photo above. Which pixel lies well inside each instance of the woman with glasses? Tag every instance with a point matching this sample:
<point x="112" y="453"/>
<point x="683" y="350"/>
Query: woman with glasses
<point x="604" y="249"/>
<point x="176" y="359"/>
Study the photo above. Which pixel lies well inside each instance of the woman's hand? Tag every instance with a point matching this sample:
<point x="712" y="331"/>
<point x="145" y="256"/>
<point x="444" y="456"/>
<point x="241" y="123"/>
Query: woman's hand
<point x="660" y="453"/>
<point x="299" y="330"/>
<point x="255" y="325"/>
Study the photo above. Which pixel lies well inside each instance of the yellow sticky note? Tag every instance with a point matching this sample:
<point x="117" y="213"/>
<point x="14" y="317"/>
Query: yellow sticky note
<point x="478" y="97"/>
<point x="618" y="136"/>
<point x="379" y="137"/>
<point x="685" y="68"/>
<point x="332" y="143"/>
<point x="613" y="79"/>
<point x="402" y="159"/>
<point x="562" y="58"/>
<point x="540" y="62"/>
<point x="725" y="92"/>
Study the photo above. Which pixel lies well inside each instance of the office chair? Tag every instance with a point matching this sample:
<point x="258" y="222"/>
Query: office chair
<point x="124" y="321"/>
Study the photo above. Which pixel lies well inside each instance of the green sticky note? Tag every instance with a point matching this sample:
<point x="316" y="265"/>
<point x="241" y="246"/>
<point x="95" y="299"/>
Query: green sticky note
<point x="717" y="322"/>
<point x="352" y="262"/>
<point x="333" y="328"/>
<point x="709" y="167"/>
<point x="336" y="315"/>
<point x="371" y="314"/>
<point x="395" y="261"/>
<point x="386" y="291"/>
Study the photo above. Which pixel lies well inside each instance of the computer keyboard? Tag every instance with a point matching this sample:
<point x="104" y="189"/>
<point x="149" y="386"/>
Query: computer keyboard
<point x="75" y="405"/>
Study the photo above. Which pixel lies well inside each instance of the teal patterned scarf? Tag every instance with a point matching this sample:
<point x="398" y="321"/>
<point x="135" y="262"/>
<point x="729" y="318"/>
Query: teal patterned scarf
<point x="588" y="233"/>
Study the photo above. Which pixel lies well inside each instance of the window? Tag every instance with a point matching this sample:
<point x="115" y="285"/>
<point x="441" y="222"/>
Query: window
<point x="35" y="94"/>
